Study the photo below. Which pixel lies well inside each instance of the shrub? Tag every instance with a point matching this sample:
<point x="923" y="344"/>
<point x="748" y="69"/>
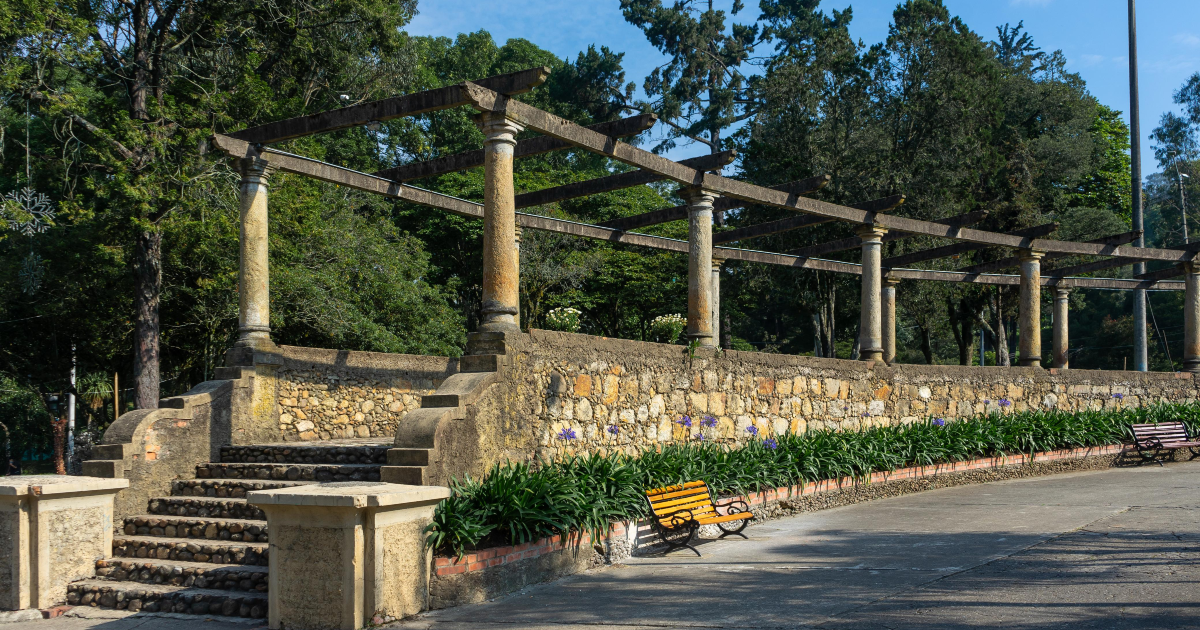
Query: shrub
<point x="565" y="318"/>
<point x="667" y="328"/>
<point x="518" y="503"/>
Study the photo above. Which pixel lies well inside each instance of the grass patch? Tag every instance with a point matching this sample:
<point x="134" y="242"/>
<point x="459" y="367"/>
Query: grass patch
<point x="518" y="503"/>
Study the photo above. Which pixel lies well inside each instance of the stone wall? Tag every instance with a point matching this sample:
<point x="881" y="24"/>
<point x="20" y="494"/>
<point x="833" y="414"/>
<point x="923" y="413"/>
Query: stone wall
<point x="618" y="395"/>
<point x="333" y="394"/>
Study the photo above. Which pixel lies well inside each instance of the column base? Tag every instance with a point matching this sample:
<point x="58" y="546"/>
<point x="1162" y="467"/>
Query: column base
<point x="1191" y="365"/>
<point x="499" y="326"/>
<point x="1037" y="363"/>
<point x="706" y="340"/>
<point x="871" y="355"/>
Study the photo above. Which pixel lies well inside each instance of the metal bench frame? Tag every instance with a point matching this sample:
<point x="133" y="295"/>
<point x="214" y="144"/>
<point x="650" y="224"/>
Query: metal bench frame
<point x="683" y="522"/>
<point x="1149" y="438"/>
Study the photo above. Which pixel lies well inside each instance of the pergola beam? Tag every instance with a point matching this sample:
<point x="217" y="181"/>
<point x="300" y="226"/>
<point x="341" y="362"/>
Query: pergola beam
<point x="1027" y="235"/>
<point x="854" y="242"/>
<point x="389" y="108"/>
<point x="617" y="181"/>
<point x="549" y="124"/>
<point x="622" y="128"/>
<point x="1013" y="261"/>
<point x="794" y="223"/>
<point x="666" y="215"/>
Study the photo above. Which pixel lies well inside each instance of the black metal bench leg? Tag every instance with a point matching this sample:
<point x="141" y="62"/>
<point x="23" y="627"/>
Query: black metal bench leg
<point x="738" y="531"/>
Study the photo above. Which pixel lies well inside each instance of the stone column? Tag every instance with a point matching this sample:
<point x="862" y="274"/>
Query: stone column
<point x="501" y="261"/>
<point x="1191" y="317"/>
<point x="1031" y="308"/>
<point x="870" y="323"/>
<point x="56" y="528"/>
<point x="700" y="213"/>
<point x="254" y="275"/>
<point x="889" y="320"/>
<point x="715" y="318"/>
<point x="346" y="555"/>
<point x="1061" y="327"/>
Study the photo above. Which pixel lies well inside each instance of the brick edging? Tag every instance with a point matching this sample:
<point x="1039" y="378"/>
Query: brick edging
<point x="496" y="556"/>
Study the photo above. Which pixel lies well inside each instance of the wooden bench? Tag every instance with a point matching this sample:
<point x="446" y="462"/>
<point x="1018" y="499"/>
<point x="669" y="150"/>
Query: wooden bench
<point x="1153" y="440"/>
<point x="676" y="512"/>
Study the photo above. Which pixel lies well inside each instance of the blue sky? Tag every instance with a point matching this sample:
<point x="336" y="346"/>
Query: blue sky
<point x="1091" y="33"/>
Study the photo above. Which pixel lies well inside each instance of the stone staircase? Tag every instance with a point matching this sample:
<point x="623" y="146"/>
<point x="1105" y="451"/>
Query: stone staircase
<point x="203" y="550"/>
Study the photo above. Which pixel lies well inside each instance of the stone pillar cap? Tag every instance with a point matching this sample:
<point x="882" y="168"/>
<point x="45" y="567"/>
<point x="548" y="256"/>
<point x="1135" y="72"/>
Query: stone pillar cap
<point x="43" y="485"/>
<point x="352" y="494"/>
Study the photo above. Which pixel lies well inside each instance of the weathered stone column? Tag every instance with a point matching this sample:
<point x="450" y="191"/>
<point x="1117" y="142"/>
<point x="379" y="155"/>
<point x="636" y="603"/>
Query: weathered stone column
<point x="700" y="212"/>
<point x="347" y="555"/>
<point x="1061" y="327"/>
<point x="1031" y="308"/>
<point x="889" y="320"/>
<point x="501" y="260"/>
<point x="870" y="323"/>
<point x="1191" y="317"/>
<point x="716" y="300"/>
<point x="254" y="273"/>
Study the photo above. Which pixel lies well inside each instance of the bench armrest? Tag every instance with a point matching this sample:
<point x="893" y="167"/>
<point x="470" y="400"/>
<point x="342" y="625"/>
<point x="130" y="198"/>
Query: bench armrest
<point x="733" y="506"/>
<point x="676" y="519"/>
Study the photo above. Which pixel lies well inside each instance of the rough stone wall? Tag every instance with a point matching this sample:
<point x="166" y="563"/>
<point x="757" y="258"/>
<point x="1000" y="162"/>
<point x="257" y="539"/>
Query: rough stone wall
<point x="334" y="394"/>
<point x="618" y="395"/>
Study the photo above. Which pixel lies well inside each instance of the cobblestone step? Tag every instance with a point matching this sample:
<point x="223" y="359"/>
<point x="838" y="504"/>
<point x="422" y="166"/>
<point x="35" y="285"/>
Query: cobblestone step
<point x="226" y="488"/>
<point x="227" y="577"/>
<point x="238" y="530"/>
<point x="187" y="550"/>
<point x="341" y="452"/>
<point x="205" y="507"/>
<point x="163" y="598"/>
<point x="290" y="472"/>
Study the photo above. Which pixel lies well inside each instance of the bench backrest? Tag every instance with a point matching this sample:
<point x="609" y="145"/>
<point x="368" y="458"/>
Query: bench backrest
<point x="1163" y="432"/>
<point x="692" y="496"/>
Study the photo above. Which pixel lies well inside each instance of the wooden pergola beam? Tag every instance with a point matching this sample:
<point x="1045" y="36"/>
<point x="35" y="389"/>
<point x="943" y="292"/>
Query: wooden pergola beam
<point x="1013" y="261"/>
<point x="955" y="249"/>
<point x="853" y="242"/>
<point x="549" y="124"/>
<point x="622" y="128"/>
<point x="666" y="215"/>
<point x="794" y="223"/>
<point x="617" y="181"/>
<point x="389" y="108"/>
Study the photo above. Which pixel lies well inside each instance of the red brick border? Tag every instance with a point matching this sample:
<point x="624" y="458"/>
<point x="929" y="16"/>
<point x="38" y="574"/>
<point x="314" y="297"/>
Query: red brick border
<point x="495" y="556"/>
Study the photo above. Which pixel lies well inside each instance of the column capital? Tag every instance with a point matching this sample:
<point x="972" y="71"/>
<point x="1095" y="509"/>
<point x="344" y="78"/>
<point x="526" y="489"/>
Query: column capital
<point x="254" y="168"/>
<point x="498" y="128"/>
<point x="1062" y="293"/>
<point x="889" y="282"/>
<point x="870" y="232"/>
<point x="1028" y="255"/>
<point x="1191" y="267"/>
<point x="697" y="196"/>
<point x="717" y="262"/>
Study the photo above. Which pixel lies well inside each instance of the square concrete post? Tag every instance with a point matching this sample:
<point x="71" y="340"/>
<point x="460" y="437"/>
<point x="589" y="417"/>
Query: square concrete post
<point x="716" y="300"/>
<point x="501" y="257"/>
<point x="870" y="323"/>
<point x="1061" y="327"/>
<point x="1191" y="317"/>
<point x="53" y="529"/>
<point x="889" y="320"/>
<point x="700" y="313"/>
<point x="1031" y="308"/>
<point x="254" y="272"/>
<point x="346" y="555"/>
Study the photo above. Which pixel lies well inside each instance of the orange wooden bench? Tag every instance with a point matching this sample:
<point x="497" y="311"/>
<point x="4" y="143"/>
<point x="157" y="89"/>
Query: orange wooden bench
<point x="1156" y="439"/>
<point x="678" y="511"/>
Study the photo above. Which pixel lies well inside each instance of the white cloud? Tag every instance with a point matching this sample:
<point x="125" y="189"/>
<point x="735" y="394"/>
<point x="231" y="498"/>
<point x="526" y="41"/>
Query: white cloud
<point x="1092" y="60"/>
<point x="1187" y="39"/>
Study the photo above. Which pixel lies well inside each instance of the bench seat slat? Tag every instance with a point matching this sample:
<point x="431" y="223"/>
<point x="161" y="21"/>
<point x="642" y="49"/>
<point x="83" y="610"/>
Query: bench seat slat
<point x="677" y="487"/>
<point x="725" y="518"/>
<point x="673" y="502"/>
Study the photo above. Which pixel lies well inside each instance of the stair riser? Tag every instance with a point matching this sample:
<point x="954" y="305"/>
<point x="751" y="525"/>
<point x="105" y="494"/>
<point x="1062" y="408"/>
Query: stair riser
<point x="284" y="472"/>
<point x="253" y="607"/>
<point x="190" y="552"/>
<point x="220" y="579"/>
<point x="332" y="455"/>
<point x="212" y="509"/>
<point x="201" y="530"/>
<point x="407" y="475"/>
<point x="223" y="488"/>
<point x="408" y="457"/>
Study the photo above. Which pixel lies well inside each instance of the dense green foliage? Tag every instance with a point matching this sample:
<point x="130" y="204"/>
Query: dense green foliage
<point x="517" y="503"/>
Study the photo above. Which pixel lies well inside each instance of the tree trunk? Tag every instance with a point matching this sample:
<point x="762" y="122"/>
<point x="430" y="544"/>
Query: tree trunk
<point x="818" y="351"/>
<point x="147" y="289"/>
<point x="1002" y="356"/>
<point x="726" y="333"/>
<point x="926" y="346"/>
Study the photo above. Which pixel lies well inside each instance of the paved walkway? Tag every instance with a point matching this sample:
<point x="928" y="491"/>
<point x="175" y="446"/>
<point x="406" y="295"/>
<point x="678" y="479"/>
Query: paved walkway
<point x="1115" y="549"/>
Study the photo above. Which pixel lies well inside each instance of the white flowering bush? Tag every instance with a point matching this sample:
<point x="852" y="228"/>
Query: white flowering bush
<point x="565" y="319"/>
<point x="667" y="328"/>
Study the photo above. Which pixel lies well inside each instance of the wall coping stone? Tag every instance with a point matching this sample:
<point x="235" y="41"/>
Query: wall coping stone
<point x="350" y="494"/>
<point x="47" y="485"/>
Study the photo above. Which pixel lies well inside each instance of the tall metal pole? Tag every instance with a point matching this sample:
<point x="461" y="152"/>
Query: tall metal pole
<point x="1135" y="170"/>
<point x="1182" y="201"/>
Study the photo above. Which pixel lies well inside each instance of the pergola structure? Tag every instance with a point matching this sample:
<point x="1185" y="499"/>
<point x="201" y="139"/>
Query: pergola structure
<point x="501" y="118"/>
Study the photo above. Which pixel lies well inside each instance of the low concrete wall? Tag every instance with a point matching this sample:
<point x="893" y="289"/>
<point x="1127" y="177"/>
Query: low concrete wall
<point x="331" y="394"/>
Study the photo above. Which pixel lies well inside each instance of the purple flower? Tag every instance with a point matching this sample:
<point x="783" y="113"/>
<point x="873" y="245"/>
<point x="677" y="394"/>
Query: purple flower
<point x="1004" y="402"/>
<point x="1119" y="396"/>
<point x="987" y="402"/>
<point x="771" y="443"/>
<point x="699" y="436"/>
<point x="708" y="421"/>
<point x="614" y="429"/>
<point x="939" y="422"/>
<point x="866" y="414"/>
<point x="685" y="421"/>
<point x="752" y="430"/>
<point x="566" y="434"/>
